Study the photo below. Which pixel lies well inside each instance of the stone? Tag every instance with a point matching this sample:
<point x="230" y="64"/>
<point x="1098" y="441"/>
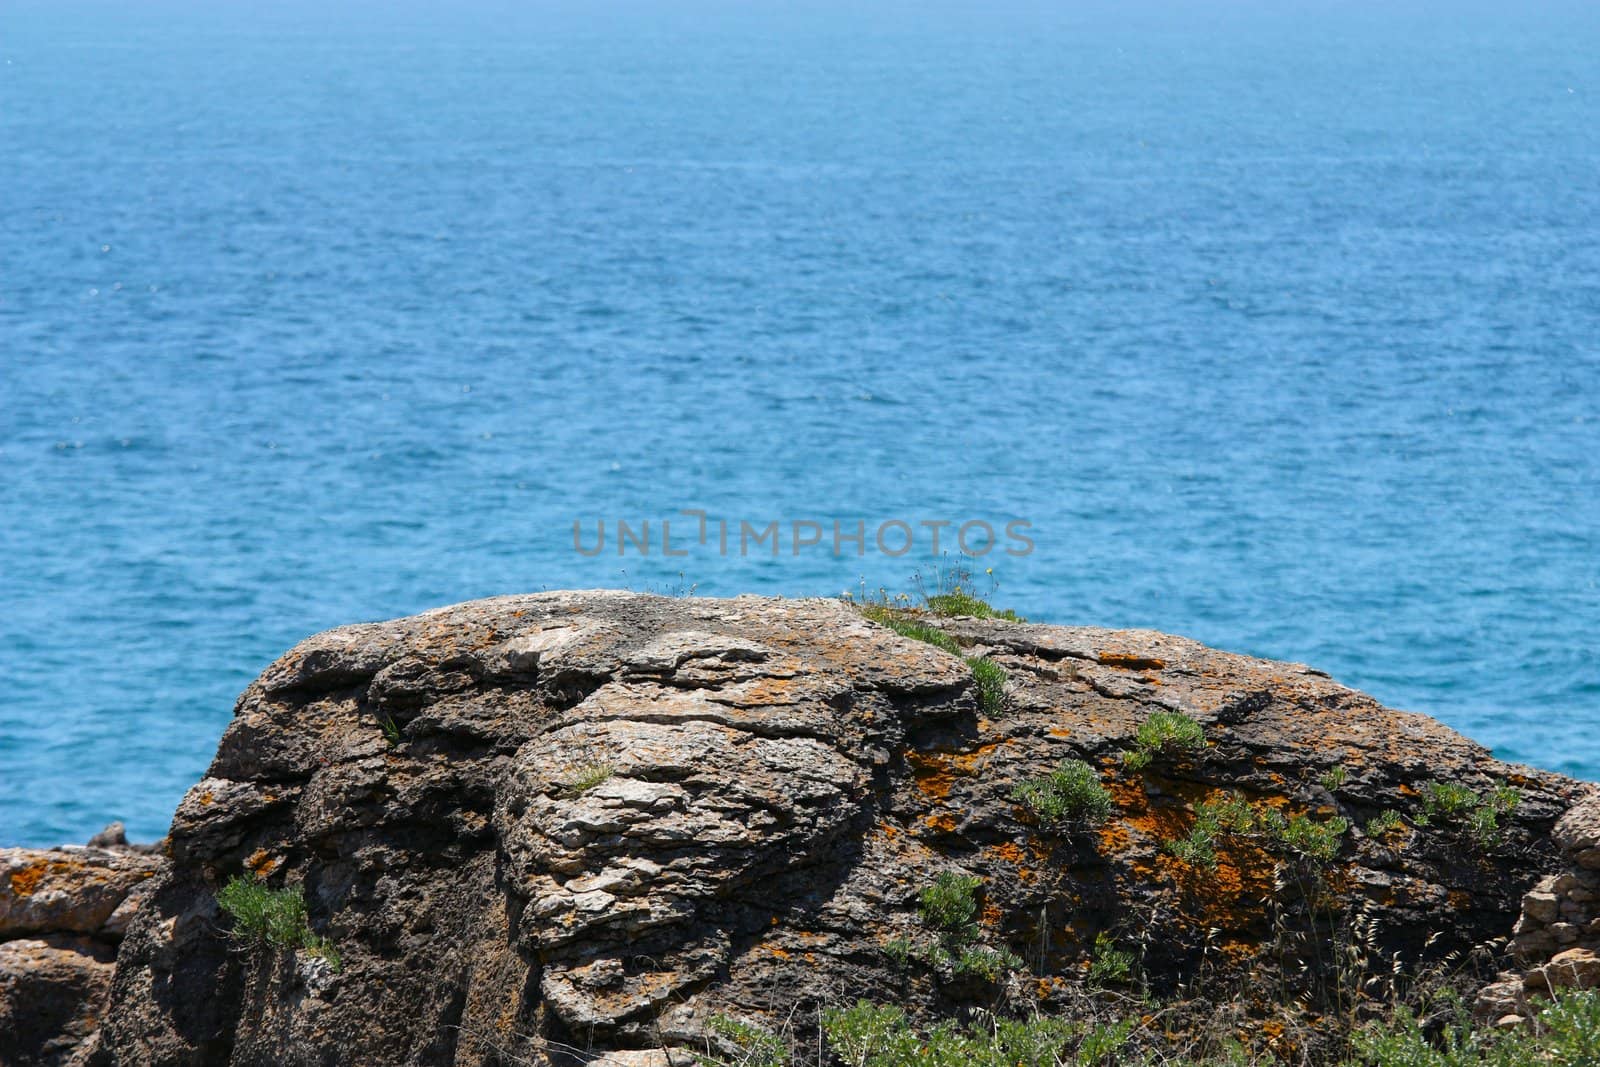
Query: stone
<point x="52" y="992"/>
<point x="1576" y="968"/>
<point x="1577" y="833"/>
<point x="611" y="817"/>
<point x="67" y="890"/>
<point x="1541" y="907"/>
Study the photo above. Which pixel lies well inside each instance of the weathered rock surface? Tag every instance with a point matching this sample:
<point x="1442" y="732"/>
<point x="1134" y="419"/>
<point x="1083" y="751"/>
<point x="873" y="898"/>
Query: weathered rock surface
<point x="575" y="827"/>
<point x="1558" y="933"/>
<point x="62" y="913"/>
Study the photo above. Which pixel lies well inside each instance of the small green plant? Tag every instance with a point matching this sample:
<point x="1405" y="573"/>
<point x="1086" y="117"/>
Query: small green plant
<point x="1446" y="801"/>
<point x="902" y="950"/>
<point x="1312" y="840"/>
<point x="1231" y="813"/>
<point x="1167" y="734"/>
<point x="1384" y="823"/>
<point x="1334" y="777"/>
<point x="1483" y="822"/>
<point x="1109" y="965"/>
<point x="277" y="917"/>
<point x="586" y="778"/>
<point x="986" y="963"/>
<point x="950" y="904"/>
<point x="262" y="914"/>
<point x="1070" y="793"/>
<point x="1454" y="804"/>
<point x="756" y="1047"/>
<point x="869" y="1035"/>
<point x="990" y="678"/>
<point x="391" y="730"/>
<point x="1198" y="848"/>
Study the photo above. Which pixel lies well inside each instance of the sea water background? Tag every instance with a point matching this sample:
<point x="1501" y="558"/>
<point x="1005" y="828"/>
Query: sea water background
<point x="1281" y="326"/>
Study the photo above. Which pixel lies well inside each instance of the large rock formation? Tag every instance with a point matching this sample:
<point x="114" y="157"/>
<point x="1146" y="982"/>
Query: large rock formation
<point x="578" y="827"/>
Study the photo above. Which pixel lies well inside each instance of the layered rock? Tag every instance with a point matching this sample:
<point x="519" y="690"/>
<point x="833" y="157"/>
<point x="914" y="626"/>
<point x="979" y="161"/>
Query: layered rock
<point x="1557" y="937"/>
<point x="578" y="827"/>
<point x="62" y="914"/>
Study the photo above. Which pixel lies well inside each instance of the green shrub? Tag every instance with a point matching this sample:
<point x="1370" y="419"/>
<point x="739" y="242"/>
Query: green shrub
<point x="1167" y="734"/>
<point x="1334" y="778"/>
<point x="986" y="963"/>
<point x="1483" y="822"/>
<point x="1232" y="814"/>
<point x="1070" y="793"/>
<point x="1454" y="804"/>
<point x="1384" y="823"/>
<point x="1198" y="849"/>
<point x="990" y="678"/>
<point x="1448" y="801"/>
<point x="1313" y="840"/>
<point x="871" y="1036"/>
<point x="950" y="904"/>
<point x="757" y="1047"/>
<point x="262" y="914"/>
<point x="1565" y="1034"/>
<point x="1109" y="964"/>
<point x="277" y="917"/>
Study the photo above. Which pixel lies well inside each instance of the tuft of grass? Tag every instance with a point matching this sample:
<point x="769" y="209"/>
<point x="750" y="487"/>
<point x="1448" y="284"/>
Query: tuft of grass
<point x="391" y="730"/>
<point x="586" y="778"/>
<point x="1334" y="777"/>
<point x="990" y="678"/>
<point x="1167" y="734"/>
<point x="277" y="917"/>
<point x="960" y="601"/>
<point x="930" y="635"/>
<point x="1071" y="793"/>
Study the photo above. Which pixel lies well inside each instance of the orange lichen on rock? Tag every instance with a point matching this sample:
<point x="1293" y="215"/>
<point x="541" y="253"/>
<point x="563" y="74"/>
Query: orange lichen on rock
<point x="1014" y="854"/>
<point x="1130" y="661"/>
<point x="25" y="881"/>
<point x="262" y="862"/>
<point x="935" y="772"/>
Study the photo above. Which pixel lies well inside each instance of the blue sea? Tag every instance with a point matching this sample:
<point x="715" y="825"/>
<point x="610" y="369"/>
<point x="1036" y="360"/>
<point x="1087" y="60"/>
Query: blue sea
<point x="1278" y="325"/>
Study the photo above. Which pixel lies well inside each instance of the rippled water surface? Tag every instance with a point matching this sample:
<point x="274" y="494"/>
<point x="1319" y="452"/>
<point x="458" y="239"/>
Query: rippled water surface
<point x="1283" y="332"/>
